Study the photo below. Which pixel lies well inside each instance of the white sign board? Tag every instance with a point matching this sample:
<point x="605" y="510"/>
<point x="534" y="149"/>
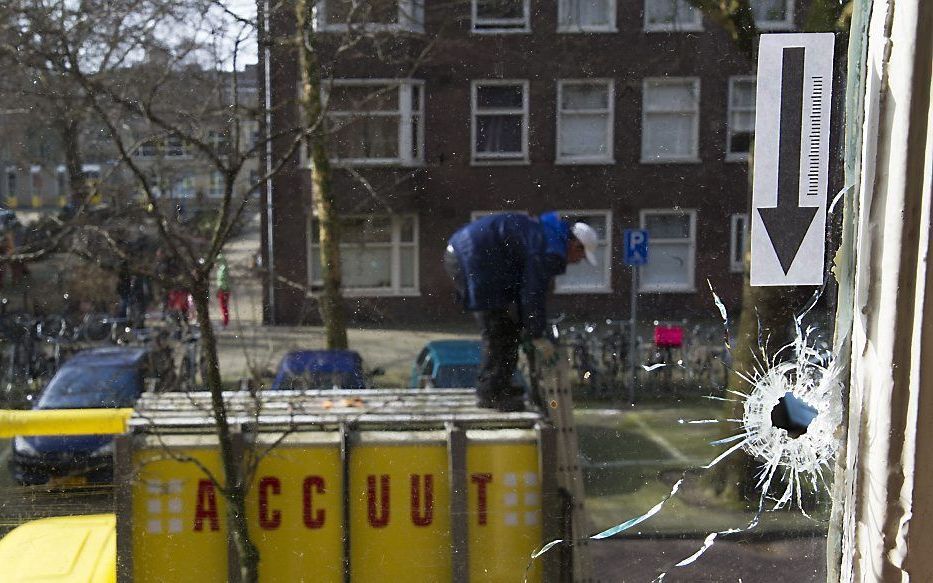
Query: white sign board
<point x="791" y="180"/>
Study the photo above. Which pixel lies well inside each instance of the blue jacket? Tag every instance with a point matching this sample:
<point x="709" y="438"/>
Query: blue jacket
<point x="511" y="259"/>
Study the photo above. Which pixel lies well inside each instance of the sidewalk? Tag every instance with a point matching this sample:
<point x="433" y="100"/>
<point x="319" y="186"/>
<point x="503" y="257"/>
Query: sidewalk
<point x="247" y="344"/>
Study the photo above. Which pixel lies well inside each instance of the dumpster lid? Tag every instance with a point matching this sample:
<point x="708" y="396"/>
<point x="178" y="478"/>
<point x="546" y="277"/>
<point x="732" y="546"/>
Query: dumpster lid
<point x="400" y="409"/>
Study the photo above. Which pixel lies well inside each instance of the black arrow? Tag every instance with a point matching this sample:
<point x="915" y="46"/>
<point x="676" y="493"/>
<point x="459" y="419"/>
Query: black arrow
<point x="788" y="223"/>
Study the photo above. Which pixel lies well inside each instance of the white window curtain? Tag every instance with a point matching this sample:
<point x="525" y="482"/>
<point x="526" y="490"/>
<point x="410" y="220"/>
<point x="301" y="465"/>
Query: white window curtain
<point x="586" y="14"/>
<point x="670" y="120"/>
<point x="585" y="119"/>
<point x="671" y="251"/>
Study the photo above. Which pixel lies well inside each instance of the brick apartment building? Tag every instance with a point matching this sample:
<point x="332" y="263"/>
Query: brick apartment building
<point x="621" y="113"/>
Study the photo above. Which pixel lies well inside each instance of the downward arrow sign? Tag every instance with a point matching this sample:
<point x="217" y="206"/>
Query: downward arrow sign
<point x="788" y="223"/>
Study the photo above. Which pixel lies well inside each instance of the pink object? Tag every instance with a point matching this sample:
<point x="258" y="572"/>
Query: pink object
<point x="668" y="336"/>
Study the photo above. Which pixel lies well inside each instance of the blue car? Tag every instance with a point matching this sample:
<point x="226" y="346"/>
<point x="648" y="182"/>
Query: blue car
<point x="305" y="370"/>
<point x="92" y="379"/>
<point x="451" y="364"/>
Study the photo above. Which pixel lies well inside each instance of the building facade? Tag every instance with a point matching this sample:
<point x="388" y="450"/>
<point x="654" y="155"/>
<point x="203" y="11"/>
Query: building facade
<point x="620" y="113"/>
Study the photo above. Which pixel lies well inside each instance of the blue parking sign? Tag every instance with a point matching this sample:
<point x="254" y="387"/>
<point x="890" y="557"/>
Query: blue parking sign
<point x="636" y="246"/>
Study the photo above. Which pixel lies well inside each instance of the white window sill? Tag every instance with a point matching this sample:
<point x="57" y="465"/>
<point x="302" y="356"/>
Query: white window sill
<point x="500" y="162"/>
<point x="670" y="160"/>
<point x="573" y="291"/>
<point x="586" y="29"/>
<point x="384" y="163"/>
<point x="774" y="26"/>
<point x="736" y="157"/>
<point x="484" y="31"/>
<point x="376" y="293"/>
<point x="370" y="27"/>
<point x="667" y="289"/>
<point x="670" y="28"/>
<point x="584" y="161"/>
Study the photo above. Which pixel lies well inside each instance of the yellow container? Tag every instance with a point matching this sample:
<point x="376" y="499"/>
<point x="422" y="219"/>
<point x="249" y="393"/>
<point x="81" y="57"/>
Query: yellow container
<point x="429" y="495"/>
<point x="72" y="549"/>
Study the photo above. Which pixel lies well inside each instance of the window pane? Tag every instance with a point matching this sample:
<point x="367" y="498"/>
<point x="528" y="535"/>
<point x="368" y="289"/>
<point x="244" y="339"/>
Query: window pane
<point x="668" y="135"/>
<point x="499" y="134"/>
<point x="584" y="275"/>
<point x="743" y="93"/>
<point x="670" y="12"/>
<point x="366" y="230"/>
<point x="583" y="135"/>
<point x="367" y="137"/>
<point x="586" y="13"/>
<point x="668" y="265"/>
<point x="363" y="98"/>
<point x="584" y="96"/>
<point x="499" y="96"/>
<point x="407" y="267"/>
<point x="769" y="10"/>
<point x="366" y="267"/>
<point x="670" y="96"/>
<point x="407" y="230"/>
<point x="500" y="9"/>
<point x="667" y="226"/>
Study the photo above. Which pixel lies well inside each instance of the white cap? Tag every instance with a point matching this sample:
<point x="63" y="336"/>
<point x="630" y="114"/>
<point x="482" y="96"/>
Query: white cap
<point x="586" y="235"/>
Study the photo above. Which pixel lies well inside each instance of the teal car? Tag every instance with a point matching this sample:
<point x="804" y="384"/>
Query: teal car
<point x="451" y="364"/>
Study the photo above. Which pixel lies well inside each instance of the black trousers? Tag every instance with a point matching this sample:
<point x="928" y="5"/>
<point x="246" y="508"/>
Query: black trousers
<point x="502" y="334"/>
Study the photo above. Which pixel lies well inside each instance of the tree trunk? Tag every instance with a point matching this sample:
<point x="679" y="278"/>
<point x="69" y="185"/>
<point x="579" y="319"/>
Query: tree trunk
<point x="332" y="307"/>
<point x="70" y="130"/>
<point x="235" y="483"/>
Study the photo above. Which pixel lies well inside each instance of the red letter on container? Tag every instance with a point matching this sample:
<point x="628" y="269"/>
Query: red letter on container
<point x="312" y="519"/>
<point x="269" y="521"/>
<point x="382" y="519"/>
<point x="419" y="516"/>
<point x="481" y="481"/>
<point x="206" y="507"/>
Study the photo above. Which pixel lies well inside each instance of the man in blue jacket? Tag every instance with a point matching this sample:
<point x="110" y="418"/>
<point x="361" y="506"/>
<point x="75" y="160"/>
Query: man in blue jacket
<point x="503" y="266"/>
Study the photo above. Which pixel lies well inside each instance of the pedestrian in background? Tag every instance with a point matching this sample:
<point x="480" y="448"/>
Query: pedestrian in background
<point x="503" y="266"/>
<point x="223" y="289"/>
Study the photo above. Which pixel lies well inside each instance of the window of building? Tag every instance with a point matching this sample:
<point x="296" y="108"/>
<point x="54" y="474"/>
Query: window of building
<point x="585" y="122"/>
<point x="370" y="15"/>
<point x="670" y="119"/>
<point x="149" y="149"/>
<point x="376" y="122"/>
<point x="741" y="127"/>
<point x="498" y="16"/>
<point x="184" y="188"/>
<point x="671" y="251"/>
<point x="379" y="255"/>
<point x="672" y="16"/>
<point x="11" y="183"/>
<point x="586" y="16"/>
<point x="175" y="147"/>
<point x="500" y="121"/>
<point x="583" y="277"/>
<point x="219" y="141"/>
<point x="216" y="186"/>
<point x="738" y="237"/>
<point x="773" y="14"/>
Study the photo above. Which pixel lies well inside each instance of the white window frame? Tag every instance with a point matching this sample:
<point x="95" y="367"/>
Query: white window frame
<point x="395" y="290"/>
<point x="738" y="237"/>
<point x="610" y="26"/>
<point x="695" y="26"/>
<point x="691" y="158"/>
<point x="410" y="19"/>
<point x="607" y="268"/>
<point x="786" y="24"/>
<point x="184" y="188"/>
<point x="730" y="109"/>
<point x="215" y="184"/>
<point x="474" y="215"/>
<point x="498" y="158"/>
<point x="500" y="25"/>
<point x="690" y="286"/>
<point x="405" y="114"/>
<point x="609" y="157"/>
